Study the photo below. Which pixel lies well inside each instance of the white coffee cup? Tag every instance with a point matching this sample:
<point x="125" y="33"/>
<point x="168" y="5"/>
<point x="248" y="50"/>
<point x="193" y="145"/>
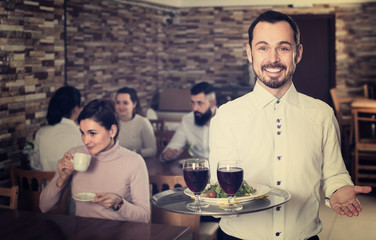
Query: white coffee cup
<point x="81" y="161"/>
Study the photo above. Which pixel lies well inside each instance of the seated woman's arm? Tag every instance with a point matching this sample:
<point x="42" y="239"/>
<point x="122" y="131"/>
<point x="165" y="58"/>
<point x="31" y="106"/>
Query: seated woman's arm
<point x="149" y="146"/>
<point x="51" y="195"/>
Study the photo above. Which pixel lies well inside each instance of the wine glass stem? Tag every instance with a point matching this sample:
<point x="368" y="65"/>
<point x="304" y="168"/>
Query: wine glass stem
<point x="230" y="200"/>
<point x="197" y="198"/>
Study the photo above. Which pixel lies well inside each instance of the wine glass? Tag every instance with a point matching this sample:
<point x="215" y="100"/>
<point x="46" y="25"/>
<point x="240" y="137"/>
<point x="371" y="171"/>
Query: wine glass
<point x="230" y="178"/>
<point x="196" y="176"/>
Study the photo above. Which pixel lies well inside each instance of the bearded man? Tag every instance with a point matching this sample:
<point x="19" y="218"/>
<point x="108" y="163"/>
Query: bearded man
<point x="193" y="132"/>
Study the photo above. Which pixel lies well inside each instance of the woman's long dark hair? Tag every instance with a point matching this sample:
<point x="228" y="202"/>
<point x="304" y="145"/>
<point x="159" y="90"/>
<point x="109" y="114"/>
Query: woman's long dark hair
<point x="62" y="104"/>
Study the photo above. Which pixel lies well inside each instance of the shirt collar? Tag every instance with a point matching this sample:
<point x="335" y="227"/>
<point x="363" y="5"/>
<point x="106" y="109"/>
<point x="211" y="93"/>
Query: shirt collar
<point x="68" y="121"/>
<point x="263" y="97"/>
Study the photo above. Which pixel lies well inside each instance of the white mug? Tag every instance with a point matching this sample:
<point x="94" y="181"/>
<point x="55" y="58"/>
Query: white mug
<point x="81" y="161"/>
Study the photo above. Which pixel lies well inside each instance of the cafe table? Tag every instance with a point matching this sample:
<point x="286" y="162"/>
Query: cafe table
<point x="157" y="168"/>
<point x="20" y="225"/>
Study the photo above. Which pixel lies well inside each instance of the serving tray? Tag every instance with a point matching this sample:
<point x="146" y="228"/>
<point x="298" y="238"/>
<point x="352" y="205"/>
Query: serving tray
<point x="175" y="200"/>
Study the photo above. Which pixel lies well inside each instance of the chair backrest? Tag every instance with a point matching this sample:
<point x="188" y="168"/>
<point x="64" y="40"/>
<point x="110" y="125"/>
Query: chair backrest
<point x="161" y="183"/>
<point x="364" y="167"/>
<point x="368" y="91"/>
<point x="338" y="102"/>
<point x="158" y="124"/>
<point x="31" y="184"/>
<point x="162" y="139"/>
<point x="365" y="132"/>
<point x="12" y="194"/>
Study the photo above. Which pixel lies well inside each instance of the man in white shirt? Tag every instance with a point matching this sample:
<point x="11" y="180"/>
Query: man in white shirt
<point x="282" y="139"/>
<point x="193" y="131"/>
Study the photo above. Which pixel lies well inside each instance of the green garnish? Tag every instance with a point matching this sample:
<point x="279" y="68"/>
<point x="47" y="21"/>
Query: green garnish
<point x="245" y="190"/>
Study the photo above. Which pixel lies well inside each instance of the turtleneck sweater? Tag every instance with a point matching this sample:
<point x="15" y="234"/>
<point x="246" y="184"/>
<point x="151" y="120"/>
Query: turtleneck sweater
<point x="117" y="170"/>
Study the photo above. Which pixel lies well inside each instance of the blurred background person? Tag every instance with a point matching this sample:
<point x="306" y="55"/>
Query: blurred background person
<point x="117" y="176"/>
<point x="193" y="131"/>
<point x="136" y="132"/>
<point x="61" y="134"/>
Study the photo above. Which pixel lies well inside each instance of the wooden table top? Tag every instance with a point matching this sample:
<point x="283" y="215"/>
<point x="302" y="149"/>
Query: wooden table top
<point x="157" y="168"/>
<point x="16" y="224"/>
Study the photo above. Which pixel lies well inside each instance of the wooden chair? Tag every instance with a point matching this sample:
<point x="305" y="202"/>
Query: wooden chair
<point x="344" y="120"/>
<point x="342" y="108"/>
<point x="158" y="124"/>
<point x="163" y="138"/>
<point x="204" y="230"/>
<point x="365" y="146"/>
<point x="12" y="194"/>
<point x="31" y="184"/>
<point x="368" y="91"/>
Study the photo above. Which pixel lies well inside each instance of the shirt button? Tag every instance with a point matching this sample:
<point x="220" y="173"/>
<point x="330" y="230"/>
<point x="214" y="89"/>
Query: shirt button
<point x="279" y="133"/>
<point x="278" y="101"/>
<point x="279" y="157"/>
<point x="278" y="120"/>
<point x="278" y="233"/>
<point x="278" y="126"/>
<point x="279" y="183"/>
<point x="278" y="208"/>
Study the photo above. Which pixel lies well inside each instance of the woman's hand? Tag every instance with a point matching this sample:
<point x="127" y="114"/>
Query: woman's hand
<point x="107" y="200"/>
<point x="65" y="168"/>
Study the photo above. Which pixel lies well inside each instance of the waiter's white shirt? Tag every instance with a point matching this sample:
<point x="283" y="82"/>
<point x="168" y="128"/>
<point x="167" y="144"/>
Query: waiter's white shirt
<point x="292" y="143"/>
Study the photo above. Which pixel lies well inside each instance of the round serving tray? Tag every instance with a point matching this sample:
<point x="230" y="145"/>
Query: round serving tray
<point x="175" y="200"/>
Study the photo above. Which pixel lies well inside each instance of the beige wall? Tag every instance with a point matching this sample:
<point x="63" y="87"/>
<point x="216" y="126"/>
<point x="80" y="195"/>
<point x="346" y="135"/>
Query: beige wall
<point x="110" y="45"/>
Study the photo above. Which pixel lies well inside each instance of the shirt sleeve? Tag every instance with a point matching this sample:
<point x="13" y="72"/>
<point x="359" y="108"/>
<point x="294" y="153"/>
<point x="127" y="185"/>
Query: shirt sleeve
<point x="334" y="174"/>
<point x="222" y="142"/>
<point x="149" y="146"/>
<point x="178" y="141"/>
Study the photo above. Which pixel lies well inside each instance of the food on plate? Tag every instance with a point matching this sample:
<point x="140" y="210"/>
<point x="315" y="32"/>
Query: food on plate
<point x="215" y="191"/>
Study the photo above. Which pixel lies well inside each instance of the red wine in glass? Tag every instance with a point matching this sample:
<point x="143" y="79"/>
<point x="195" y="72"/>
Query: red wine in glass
<point x="230" y="178"/>
<point x="196" y="179"/>
<point x="196" y="176"/>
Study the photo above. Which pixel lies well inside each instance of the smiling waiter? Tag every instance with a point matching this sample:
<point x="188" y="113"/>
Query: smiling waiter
<point x="283" y="139"/>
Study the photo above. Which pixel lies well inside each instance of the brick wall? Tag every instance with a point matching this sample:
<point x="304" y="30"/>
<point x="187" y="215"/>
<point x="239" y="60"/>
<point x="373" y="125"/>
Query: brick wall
<point x="31" y="69"/>
<point x="111" y="45"/>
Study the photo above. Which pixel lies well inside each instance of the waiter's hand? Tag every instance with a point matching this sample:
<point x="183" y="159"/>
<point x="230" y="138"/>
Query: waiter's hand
<point x="344" y="200"/>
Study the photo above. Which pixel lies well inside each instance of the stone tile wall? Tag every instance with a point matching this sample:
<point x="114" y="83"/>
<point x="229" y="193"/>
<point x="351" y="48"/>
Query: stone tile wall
<point x="31" y="69"/>
<point x="111" y="45"/>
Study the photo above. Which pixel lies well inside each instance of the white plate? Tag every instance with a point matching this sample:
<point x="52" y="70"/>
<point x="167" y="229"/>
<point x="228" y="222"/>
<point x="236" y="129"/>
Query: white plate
<point x="261" y="190"/>
<point x="84" y="196"/>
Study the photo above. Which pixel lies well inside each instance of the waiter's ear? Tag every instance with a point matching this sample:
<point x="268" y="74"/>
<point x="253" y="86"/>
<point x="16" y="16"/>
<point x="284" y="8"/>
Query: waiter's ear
<point x="249" y="53"/>
<point x="299" y="53"/>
